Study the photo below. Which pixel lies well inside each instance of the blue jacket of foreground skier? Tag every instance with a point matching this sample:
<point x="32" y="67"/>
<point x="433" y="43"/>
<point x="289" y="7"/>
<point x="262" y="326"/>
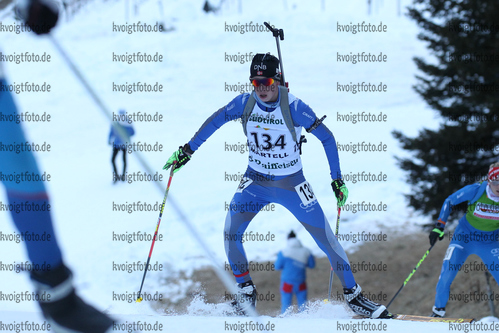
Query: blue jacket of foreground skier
<point x="24" y="182"/>
<point x="301" y="113"/>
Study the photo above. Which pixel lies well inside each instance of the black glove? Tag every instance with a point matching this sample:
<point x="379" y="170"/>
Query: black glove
<point x="40" y="15"/>
<point x="340" y="191"/>
<point x="437" y="232"/>
<point x="179" y="158"/>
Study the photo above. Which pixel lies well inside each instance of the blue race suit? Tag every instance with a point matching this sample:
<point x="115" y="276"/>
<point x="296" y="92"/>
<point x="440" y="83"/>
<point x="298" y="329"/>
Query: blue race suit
<point x="477" y="233"/>
<point x="272" y="183"/>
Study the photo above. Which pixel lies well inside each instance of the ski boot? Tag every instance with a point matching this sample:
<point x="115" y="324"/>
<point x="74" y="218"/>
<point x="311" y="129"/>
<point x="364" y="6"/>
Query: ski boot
<point x="438" y="312"/>
<point x="363" y="306"/>
<point x="63" y="309"/>
<point x="245" y="298"/>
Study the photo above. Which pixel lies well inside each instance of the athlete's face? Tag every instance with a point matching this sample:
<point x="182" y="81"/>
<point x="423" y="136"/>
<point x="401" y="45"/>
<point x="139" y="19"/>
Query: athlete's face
<point x="267" y="94"/>
<point x="494" y="188"/>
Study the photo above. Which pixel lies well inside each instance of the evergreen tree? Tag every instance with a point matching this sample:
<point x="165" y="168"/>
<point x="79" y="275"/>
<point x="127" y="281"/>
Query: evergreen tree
<point x="462" y="85"/>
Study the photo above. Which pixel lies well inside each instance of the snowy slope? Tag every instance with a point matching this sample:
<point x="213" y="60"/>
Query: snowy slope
<point x="194" y="75"/>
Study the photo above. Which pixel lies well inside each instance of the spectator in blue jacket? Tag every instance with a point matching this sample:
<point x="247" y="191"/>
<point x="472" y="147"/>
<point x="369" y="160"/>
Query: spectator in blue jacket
<point x="118" y="144"/>
<point x="293" y="261"/>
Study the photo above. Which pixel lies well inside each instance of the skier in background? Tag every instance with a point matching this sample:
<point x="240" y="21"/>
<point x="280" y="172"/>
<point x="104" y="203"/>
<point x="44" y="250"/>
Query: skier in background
<point x="293" y="261"/>
<point x="477" y="233"/>
<point x="119" y="144"/>
<point x="62" y="308"/>
<point x="272" y="124"/>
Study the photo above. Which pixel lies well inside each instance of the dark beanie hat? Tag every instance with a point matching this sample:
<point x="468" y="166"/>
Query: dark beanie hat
<point x="265" y="65"/>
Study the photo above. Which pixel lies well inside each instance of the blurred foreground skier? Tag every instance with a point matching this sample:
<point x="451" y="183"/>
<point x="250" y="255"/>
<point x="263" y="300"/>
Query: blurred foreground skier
<point x="30" y="209"/>
<point x="477" y="233"/>
<point x="272" y="121"/>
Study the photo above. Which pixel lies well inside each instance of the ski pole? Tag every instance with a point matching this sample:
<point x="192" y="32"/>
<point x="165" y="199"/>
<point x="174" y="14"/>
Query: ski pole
<point x="412" y="273"/>
<point x="139" y="299"/>
<point x="278" y="33"/>
<point x="331" y="274"/>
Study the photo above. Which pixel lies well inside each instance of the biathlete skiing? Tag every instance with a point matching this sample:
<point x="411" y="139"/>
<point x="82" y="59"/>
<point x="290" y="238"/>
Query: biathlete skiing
<point x="272" y="121"/>
<point x="477" y="233"/>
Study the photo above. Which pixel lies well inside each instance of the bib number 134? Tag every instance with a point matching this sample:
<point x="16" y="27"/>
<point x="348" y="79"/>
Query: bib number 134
<point x="267" y="141"/>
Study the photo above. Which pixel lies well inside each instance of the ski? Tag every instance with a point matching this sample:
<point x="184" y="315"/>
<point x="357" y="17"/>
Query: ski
<point x="425" y="319"/>
<point x="432" y="319"/>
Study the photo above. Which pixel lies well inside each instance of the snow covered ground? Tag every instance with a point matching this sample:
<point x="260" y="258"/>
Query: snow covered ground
<point x="240" y="325"/>
<point x="197" y="80"/>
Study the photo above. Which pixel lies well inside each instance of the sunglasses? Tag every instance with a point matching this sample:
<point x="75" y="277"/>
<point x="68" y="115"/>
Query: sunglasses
<point x="262" y="82"/>
<point x="493" y="182"/>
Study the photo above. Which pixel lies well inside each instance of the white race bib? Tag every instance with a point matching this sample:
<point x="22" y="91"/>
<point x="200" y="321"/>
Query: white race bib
<point x="272" y="149"/>
<point x="305" y="193"/>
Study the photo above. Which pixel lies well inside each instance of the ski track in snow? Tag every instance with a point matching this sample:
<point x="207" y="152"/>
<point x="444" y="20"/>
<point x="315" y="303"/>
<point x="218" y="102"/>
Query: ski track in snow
<point x="202" y="317"/>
